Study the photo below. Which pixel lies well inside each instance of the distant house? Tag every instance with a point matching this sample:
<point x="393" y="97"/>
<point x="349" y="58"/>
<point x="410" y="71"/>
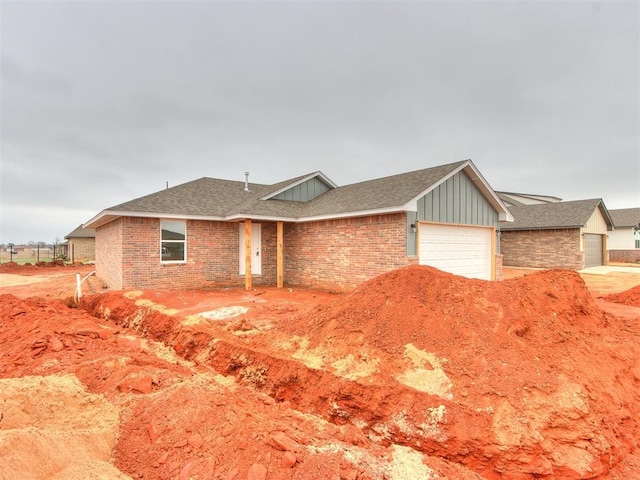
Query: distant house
<point x="624" y="241"/>
<point x="81" y="244"/>
<point x="512" y="199"/>
<point x="557" y="234"/>
<point x="305" y="231"/>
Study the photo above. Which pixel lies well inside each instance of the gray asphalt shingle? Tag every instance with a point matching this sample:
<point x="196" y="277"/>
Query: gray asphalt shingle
<point x="573" y="214"/>
<point x="223" y="198"/>
<point x="625" y="217"/>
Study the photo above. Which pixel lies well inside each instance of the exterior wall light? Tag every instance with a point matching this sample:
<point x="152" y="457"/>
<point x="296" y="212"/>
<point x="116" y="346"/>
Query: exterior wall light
<point x="413" y="228"/>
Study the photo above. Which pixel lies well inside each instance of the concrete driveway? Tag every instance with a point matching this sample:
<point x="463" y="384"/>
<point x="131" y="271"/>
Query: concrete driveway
<point x="607" y="269"/>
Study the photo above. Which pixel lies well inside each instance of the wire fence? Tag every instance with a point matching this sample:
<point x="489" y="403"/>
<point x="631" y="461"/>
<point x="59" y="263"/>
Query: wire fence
<point x="33" y="253"/>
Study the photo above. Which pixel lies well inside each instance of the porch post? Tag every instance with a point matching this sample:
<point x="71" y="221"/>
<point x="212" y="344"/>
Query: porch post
<point x="279" y="255"/>
<point x="247" y="254"/>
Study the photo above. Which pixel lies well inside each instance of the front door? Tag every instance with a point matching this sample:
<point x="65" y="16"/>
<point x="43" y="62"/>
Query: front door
<point x="256" y="256"/>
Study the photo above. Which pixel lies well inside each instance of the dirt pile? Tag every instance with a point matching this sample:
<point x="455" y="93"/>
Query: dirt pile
<point x="628" y="297"/>
<point x="553" y="381"/>
<point x="13" y="267"/>
<point x="415" y="374"/>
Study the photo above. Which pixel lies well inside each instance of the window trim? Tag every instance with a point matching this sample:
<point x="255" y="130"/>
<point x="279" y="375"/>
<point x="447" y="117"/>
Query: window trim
<point x="184" y="242"/>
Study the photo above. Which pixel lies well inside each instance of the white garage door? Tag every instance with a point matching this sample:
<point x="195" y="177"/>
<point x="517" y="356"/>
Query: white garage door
<point x="456" y="249"/>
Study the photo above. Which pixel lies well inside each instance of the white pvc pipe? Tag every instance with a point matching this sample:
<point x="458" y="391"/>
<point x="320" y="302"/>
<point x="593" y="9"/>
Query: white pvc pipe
<point x="78" y="293"/>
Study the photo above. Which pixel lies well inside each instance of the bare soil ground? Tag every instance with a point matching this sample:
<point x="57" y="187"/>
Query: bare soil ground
<point x="416" y="374"/>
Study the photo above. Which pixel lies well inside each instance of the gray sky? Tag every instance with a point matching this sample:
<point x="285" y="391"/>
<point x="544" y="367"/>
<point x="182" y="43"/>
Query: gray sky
<point x="106" y="101"/>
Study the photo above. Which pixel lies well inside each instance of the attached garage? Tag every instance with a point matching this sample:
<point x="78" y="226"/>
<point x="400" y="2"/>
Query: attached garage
<point x="557" y="235"/>
<point x="593" y="250"/>
<point x="459" y="249"/>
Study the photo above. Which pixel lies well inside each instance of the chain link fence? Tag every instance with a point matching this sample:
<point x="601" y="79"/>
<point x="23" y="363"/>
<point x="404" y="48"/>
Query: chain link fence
<point x="32" y="253"/>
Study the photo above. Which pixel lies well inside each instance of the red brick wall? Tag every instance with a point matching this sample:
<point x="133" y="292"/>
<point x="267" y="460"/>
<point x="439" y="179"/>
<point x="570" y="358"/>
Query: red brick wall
<point x="340" y="254"/>
<point x="212" y="256"/>
<point x="542" y="249"/>
<point x="109" y="253"/>
<point x="627" y="256"/>
<point x="332" y="254"/>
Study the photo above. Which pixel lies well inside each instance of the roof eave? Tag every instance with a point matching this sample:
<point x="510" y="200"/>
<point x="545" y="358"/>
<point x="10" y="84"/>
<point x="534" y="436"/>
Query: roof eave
<point x="504" y="215"/>
<point x="316" y="218"/>
<point x="605" y="213"/>
<point x="107" y="216"/>
<point x="546" y="227"/>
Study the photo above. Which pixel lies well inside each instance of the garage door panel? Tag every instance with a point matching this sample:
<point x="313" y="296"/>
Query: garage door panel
<point x="593" y="250"/>
<point x="457" y="249"/>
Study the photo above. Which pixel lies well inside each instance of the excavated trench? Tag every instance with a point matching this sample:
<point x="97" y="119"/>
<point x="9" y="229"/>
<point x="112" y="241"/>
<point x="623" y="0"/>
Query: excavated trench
<point x="555" y="435"/>
<point x="386" y="414"/>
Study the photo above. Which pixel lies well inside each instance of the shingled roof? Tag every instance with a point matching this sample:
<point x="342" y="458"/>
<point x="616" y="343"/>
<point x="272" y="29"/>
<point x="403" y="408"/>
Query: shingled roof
<point x="81" y="232"/>
<point x="625" y="217"/>
<point x="546" y="216"/>
<point x="216" y="199"/>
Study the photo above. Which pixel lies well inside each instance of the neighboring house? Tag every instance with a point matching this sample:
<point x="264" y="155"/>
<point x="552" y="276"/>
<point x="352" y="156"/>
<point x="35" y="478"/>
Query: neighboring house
<point x="81" y="244"/>
<point x="305" y="231"/>
<point x="512" y="199"/>
<point x="624" y="241"/>
<point x="569" y="235"/>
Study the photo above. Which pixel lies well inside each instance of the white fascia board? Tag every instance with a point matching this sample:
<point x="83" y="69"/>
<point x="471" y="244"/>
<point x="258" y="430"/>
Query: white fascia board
<point x="488" y="192"/>
<point x="361" y="213"/>
<point x="114" y="214"/>
<point x="317" y="218"/>
<point x="239" y="217"/>
<point x="319" y="174"/>
<point x="504" y="215"/>
<point x="412" y="205"/>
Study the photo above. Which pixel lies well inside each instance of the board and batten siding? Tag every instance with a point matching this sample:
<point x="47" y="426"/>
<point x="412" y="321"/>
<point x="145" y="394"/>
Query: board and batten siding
<point x="305" y="191"/>
<point x="596" y="223"/>
<point x="455" y="201"/>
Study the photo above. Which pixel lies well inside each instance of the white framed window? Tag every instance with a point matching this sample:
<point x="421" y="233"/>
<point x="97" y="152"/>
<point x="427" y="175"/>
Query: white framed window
<point x="173" y="241"/>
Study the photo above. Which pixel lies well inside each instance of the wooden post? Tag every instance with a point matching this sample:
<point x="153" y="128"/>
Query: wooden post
<point x="279" y="255"/>
<point x="247" y="254"/>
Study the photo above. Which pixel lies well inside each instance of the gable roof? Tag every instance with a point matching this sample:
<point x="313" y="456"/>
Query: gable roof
<point x="226" y="200"/>
<point x="278" y="188"/>
<point x="81" y="232"/>
<point x="546" y="216"/>
<point x="625" y="217"/>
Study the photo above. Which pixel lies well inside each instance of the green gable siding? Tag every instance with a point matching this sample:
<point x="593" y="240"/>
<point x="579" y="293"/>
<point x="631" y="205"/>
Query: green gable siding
<point x="457" y="201"/>
<point x="305" y="191"/>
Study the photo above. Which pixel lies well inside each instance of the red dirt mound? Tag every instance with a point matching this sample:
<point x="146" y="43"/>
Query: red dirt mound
<point x="45" y="337"/>
<point x="537" y="345"/>
<point x="628" y="297"/>
<point x="13" y="267"/>
<point x="512" y="380"/>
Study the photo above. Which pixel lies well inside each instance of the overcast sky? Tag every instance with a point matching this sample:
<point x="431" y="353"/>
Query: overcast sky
<point x="106" y="101"/>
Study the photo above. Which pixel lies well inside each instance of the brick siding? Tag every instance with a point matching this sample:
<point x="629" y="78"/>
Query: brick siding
<point x="542" y="249"/>
<point x="339" y="254"/>
<point x="82" y="249"/>
<point x="109" y="253"/>
<point x="212" y="256"/>
<point x="499" y="270"/>
<point x="627" y="256"/>
<point x="333" y="254"/>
